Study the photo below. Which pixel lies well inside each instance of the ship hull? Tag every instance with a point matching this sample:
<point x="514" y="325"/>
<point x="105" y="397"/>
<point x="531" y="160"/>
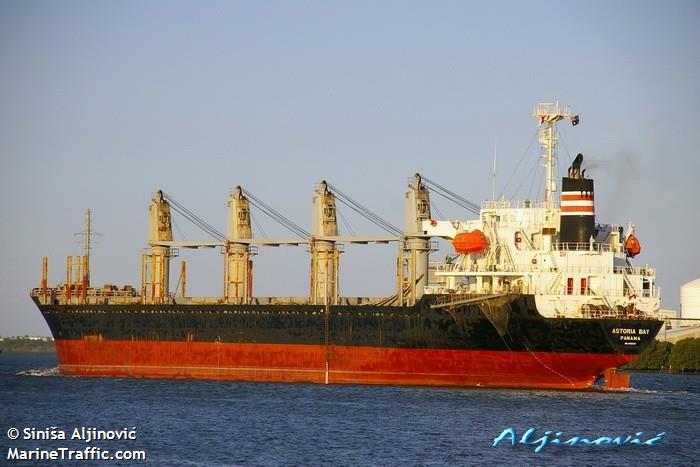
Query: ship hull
<point x="346" y="365"/>
<point x="499" y="343"/>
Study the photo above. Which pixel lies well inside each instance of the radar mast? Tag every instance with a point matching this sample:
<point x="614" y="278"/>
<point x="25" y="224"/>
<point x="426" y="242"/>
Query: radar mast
<point x="549" y="114"/>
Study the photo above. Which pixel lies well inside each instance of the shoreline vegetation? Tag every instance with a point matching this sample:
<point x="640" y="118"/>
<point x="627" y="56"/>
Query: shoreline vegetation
<point x="681" y="357"/>
<point x="27" y="344"/>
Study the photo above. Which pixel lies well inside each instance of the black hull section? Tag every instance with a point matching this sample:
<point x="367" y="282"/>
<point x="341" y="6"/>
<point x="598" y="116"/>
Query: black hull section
<point x="503" y="324"/>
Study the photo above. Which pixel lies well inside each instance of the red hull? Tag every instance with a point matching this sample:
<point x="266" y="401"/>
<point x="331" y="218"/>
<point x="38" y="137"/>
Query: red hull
<point x="307" y="363"/>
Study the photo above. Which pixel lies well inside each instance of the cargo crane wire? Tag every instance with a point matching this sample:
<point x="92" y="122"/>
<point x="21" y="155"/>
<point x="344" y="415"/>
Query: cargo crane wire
<point x="346" y="223"/>
<point x="364" y="212"/>
<point x="276" y="216"/>
<point x="258" y="225"/>
<point x="436" y="208"/>
<point x="193" y="218"/>
<point x="451" y="195"/>
<point x="517" y="166"/>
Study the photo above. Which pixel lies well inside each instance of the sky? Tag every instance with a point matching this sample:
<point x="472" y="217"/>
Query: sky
<point x="103" y="103"/>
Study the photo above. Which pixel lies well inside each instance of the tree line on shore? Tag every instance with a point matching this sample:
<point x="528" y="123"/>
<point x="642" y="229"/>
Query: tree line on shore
<point x="681" y="357"/>
<point x="26" y="344"/>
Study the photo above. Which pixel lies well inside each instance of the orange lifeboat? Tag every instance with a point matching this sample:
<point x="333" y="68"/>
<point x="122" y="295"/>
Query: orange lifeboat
<point x="632" y="246"/>
<point x="470" y="242"/>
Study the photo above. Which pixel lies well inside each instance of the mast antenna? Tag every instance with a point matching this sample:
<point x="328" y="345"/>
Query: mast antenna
<point x="493" y="181"/>
<point x="549" y="114"/>
<point x="88" y="235"/>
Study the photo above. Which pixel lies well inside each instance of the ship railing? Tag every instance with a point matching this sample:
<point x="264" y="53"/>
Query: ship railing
<point x="456" y="297"/>
<point x="604" y="270"/>
<point x="454" y="267"/>
<point x="521" y="267"/>
<point x="533" y="268"/>
<point x="510" y="204"/>
<point x="618" y="313"/>
<point x="561" y="289"/>
<point x="441" y="267"/>
<point x="582" y="246"/>
<point x="92" y="295"/>
<point x="61" y="291"/>
<point x="633" y="271"/>
<point x="111" y="293"/>
<point x="549" y="108"/>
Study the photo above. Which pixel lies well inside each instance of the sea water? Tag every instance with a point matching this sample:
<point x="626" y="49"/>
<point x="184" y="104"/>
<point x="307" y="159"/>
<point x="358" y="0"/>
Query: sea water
<point x="205" y="423"/>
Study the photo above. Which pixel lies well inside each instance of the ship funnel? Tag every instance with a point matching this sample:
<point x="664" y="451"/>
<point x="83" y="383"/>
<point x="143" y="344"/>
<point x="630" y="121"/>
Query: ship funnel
<point x="577" y="207"/>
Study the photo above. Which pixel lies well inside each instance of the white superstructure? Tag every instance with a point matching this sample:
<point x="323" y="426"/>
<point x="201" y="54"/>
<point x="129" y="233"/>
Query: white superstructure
<point x="528" y="248"/>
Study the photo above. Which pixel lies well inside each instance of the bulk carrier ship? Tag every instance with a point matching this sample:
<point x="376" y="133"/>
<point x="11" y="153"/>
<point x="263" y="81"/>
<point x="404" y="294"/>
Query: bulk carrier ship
<point x="537" y="295"/>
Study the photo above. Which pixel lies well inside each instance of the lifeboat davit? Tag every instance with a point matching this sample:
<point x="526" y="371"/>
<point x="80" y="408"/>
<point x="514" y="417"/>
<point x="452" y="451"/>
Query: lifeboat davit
<point x="632" y="246"/>
<point x="470" y="242"/>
